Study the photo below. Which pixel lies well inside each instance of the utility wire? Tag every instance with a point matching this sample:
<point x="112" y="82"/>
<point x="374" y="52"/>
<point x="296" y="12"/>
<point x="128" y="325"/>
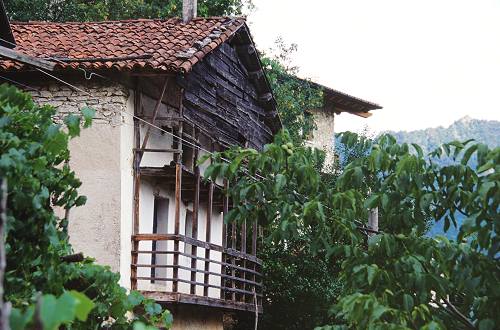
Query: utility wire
<point x="193" y="145"/>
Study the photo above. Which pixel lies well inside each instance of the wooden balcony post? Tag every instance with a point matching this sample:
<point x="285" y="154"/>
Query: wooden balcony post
<point x="196" y="207"/>
<point x="137" y="189"/>
<point x="233" y="261"/>
<point x="178" y="200"/>
<point x="243" y="249"/>
<point x="206" y="279"/>
<point x="254" y="252"/>
<point x="225" y="210"/>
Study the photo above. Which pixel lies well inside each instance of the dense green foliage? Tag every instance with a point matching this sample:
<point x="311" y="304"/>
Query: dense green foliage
<point x="484" y="131"/>
<point x="399" y="279"/>
<point x="294" y="96"/>
<point x="34" y="160"/>
<point x="298" y="287"/>
<point x="99" y="10"/>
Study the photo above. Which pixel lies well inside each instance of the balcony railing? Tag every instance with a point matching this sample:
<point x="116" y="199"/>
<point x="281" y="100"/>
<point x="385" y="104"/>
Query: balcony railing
<point x="169" y="269"/>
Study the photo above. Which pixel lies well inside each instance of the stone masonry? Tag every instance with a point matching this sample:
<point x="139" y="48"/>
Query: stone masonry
<point x="94" y="228"/>
<point x="107" y="99"/>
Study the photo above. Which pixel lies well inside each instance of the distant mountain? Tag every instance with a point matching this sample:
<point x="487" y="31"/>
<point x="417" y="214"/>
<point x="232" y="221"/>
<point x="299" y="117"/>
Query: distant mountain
<point x="485" y="131"/>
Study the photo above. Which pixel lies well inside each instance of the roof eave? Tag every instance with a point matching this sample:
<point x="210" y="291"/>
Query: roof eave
<point x="245" y="47"/>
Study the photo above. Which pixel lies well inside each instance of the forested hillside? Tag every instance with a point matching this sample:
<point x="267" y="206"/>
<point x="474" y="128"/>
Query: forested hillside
<point x="485" y="131"/>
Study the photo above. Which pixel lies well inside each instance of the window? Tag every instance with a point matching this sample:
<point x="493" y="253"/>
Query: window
<point x="160" y="226"/>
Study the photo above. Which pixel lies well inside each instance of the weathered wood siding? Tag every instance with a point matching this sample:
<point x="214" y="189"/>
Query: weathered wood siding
<point x="220" y="97"/>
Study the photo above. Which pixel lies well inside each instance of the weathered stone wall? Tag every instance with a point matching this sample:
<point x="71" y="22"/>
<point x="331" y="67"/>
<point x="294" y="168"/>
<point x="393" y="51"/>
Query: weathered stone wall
<point x="95" y="157"/>
<point x="107" y="99"/>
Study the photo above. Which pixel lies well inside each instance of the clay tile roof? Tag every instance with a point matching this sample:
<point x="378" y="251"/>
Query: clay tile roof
<point x="143" y="44"/>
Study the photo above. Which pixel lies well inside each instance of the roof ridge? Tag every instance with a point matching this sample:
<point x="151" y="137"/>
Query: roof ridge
<point x="131" y="20"/>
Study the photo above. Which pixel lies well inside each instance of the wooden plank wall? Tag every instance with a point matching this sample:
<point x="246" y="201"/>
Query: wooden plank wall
<point x="220" y="97"/>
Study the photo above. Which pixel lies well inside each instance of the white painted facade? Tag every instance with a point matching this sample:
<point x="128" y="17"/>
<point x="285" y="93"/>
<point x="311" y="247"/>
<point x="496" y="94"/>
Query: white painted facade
<point x="323" y="136"/>
<point x="102" y="158"/>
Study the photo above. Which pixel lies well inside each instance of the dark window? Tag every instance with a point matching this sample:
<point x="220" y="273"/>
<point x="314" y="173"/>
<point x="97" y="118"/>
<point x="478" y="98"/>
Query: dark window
<point x="160" y="226"/>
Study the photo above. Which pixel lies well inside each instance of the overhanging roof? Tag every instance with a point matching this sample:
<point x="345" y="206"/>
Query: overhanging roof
<point x="338" y="102"/>
<point x="140" y="45"/>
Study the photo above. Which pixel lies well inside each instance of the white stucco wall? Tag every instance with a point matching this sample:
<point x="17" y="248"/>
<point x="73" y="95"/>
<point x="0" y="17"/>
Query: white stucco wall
<point x="96" y="229"/>
<point x="126" y="190"/>
<point x="102" y="158"/>
<point x="323" y="136"/>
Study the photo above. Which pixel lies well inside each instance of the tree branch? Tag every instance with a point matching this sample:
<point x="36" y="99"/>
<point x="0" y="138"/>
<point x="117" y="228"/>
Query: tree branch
<point x="464" y="319"/>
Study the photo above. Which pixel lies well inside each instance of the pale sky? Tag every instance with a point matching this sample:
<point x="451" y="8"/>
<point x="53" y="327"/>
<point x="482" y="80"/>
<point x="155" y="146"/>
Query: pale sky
<point x="427" y="62"/>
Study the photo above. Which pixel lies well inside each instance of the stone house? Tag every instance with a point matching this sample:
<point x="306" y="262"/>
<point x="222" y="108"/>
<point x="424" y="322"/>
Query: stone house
<point x="166" y="92"/>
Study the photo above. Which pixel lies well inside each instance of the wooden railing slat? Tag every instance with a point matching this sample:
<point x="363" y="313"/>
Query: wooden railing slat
<point x="198" y="243"/>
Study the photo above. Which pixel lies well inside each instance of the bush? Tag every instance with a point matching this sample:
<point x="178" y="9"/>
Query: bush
<point x="35" y="161"/>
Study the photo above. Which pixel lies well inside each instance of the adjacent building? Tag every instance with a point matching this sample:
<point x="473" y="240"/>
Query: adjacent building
<point x="334" y="103"/>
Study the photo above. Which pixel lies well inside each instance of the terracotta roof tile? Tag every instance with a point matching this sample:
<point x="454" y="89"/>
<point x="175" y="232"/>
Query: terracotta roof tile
<point x="169" y="43"/>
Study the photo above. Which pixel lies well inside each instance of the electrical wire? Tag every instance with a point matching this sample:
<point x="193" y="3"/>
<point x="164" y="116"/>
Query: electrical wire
<point x="157" y="127"/>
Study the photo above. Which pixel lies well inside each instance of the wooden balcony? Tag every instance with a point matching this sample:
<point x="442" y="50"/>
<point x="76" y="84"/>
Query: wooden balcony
<point x="182" y="251"/>
<point x="211" y="276"/>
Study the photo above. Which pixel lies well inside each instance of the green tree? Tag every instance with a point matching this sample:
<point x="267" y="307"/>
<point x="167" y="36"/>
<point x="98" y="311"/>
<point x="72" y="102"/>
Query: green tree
<point x="99" y="10"/>
<point x="294" y="96"/>
<point x="398" y="278"/>
<point x="34" y="160"/>
<point x="299" y="287"/>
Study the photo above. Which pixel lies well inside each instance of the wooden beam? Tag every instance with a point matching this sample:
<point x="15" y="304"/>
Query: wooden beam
<point x="26" y="59"/>
<point x="170" y="298"/>
<point x="254" y="251"/>
<point x="164" y="118"/>
<point x="361" y="114"/>
<point x="155" y="113"/>
<point x="141" y="150"/>
<point x="4" y="308"/>
<point x="225" y="211"/>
